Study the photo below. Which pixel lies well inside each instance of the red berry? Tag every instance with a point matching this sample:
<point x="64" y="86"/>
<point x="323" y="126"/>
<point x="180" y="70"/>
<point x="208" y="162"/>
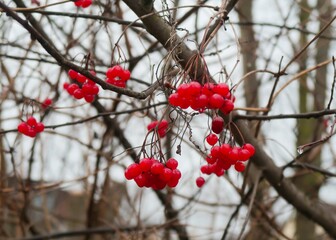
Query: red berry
<point x="216" y="101"/>
<point x="174" y="99"/>
<point x="194" y="88"/>
<point x="72" y="88"/>
<point x="140" y="180"/>
<point x="152" y="125"/>
<point x="31" y="132"/>
<point x="89" y="98"/>
<point x="167" y="174"/>
<point x="23" y="127"/>
<point x="146" y="164"/>
<point x="217" y="124"/>
<point x="206" y="169"/>
<point x="227" y="107"/>
<point x="249" y="147"/>
<point x="81" y="78"/>
<point x="200" y="182"/>
<point x="78" y="3"/>
<point x="125" y="75"/>
<point x="132" y="171"/>
<point x="31" y="121"/>
<point x="78" y="93"/>
<point x="239" y="166"/>
<point x="46" y="103"/>
<point x="157" y="168"/>
<point x="212" y="139"/>
<point x="39" y="127"/>
<point x="208" y="89"/>
<point x="66" y="85"/>
<point x="222" y="89"/>
<point x="215" y="152"/>
<point x="86" y="3"/>
<point x="172" y="163"/>
<point x="114" y="72"/>
<point x="73" y="74"/>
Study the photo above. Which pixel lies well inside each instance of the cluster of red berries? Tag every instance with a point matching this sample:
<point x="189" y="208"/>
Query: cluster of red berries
<point x="151" y="173"/>
<point x="88" y="89"/>
<point x="31" y="127"/>
<point x="200" y="98"/>
<point x="160" y="126"/>
<point x="117" y="76"/>
<point x="222" y="157"/>
<point x="83" y="3"/>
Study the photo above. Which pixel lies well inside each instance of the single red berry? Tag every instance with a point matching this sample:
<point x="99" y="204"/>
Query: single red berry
<point x="81" y="78"/>
<point x="78" y="93"/>
<point x="73" y="74"/>
<point x="78" y="3"/>
<point x="244" y="154"/>
<point x="31" y="121"/>
<point x="239" y="166"/>
<point x="146" y="164"/>
<point x="206" y="169"/>
<point x="66" y="85"/>
<point x="212" y="139"/>
<point x="140" y="180"/>
<point x="172" y="163"/>
<point x="114" y="72"/>
<point x="157" y="168"/>
<point x="125" y="76"/>
<point x="215" y="152"/>
<point x="132" y="171"/>
<point x="39" y="127"/>
<point x="23" y="128"/>
<point x="216" y="101"/>
<point x="152" y="125"/>
<point x="167" y="174"/>
<point x="46" y="103"/>
<point x="172" y="182"/>
<point x="72" y="88"/>
<point x="249" y="147"/>
<point x="227" y="107"/>
<point x="183" y="90"/>
<point x="200" y="182"/>
<point x="174" y="99"/>
<point x="86" y="3"/>
<point x="194" y="88"/>
<point x="31" y="132"/>
<point x="89" y="98"/>
<point x="210" y="159"/>
<point x="222" y="89"/>
<point x="208" y="89"/>
<point x="217" y="124"/>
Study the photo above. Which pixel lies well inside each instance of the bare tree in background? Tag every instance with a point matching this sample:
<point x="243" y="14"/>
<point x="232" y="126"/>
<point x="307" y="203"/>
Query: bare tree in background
<point x="68" y="182"/>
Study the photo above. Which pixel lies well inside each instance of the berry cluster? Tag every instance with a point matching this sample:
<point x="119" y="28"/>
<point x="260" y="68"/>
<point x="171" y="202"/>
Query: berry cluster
<point x="160" y="126"/>
<point x="88" y="89"/>
<point x="83" y="3"/>
<point x="31" y="127"/>
<point x="200" y="98"/>
<point x="222" y="157"/>
<point x="151" y="173"/>
<point x="117" y="76"/>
